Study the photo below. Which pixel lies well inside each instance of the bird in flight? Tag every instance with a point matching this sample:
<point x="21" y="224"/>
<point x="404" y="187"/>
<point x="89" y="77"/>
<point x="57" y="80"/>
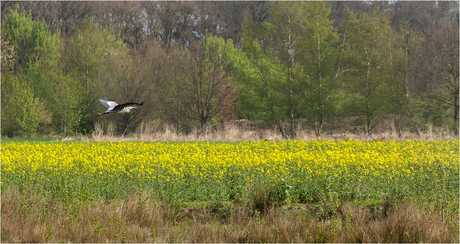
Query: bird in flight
<point x="113" y="107"/>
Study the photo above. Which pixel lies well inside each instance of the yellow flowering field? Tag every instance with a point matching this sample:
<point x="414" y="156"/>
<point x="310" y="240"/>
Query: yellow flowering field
<point x="297" y="170"/>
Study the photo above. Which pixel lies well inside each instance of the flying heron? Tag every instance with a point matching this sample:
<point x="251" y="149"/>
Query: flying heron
<point x="113" y="107"/>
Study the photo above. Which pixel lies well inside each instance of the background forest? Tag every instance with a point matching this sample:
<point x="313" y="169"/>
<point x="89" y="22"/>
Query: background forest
<point x="320" y="66"/>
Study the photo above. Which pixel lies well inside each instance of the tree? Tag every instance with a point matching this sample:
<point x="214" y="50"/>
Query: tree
<point x="366" y="57"/>
<point x="283" y="40"/>
<point x="57" y="15"/>
<point x="209" y="91"/>
<point x="37" y="54"/>
<point x="146" y="79"/>
<point x="8" y="51"/>
<point x="402" y="50"/>
<point x="125" y="18"/>
<point x="260" y="90"/>
<point x="225" y="18"/>
<point x="441" y="66"/>
<point x="339" y="9"/>
<point x="318" y="55"/>
<point x="179" y="74"/>
<point x="98" y="62"/>
<point x="169" y="22"/>
<point x="272" y="48"/>
<point x="21" y="110"/>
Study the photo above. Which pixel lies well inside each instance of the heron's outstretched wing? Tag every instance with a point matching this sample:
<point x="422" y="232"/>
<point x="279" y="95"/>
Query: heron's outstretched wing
<point x="108" y="104"/>
<point x="129" y="104"/>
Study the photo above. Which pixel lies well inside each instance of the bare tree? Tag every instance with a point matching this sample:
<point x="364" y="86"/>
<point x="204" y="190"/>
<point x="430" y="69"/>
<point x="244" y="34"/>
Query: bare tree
<point x="210" y="92"/>
<point x="126" y="19"/>
<point x="60" y="15"/>
<point x="169" y="22"/>
<point x="175" y="110"/>
<point x="441" y="66"/>
<point x="145" y="80"/>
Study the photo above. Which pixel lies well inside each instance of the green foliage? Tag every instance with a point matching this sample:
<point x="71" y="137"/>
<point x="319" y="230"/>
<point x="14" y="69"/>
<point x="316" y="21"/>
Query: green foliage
<point x="25" y="34"/>
<point x="261" y="79"/>
<point x="21" y="111"/>
<point x="37" y="50"/>
<point x="66" y="114"/>
<point x="289" y="69"/>
<point x="318" y="55"/>
<point x="367" y="41"/>
<point x="8" y="51"/>
<point x="38" y="56"/>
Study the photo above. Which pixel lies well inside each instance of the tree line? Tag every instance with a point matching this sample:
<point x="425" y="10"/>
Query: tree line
<point x="316" y="65"/>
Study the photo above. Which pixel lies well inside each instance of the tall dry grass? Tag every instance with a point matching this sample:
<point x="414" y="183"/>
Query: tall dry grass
<point x="29" y="217"/>
<point x="234" y="132"/>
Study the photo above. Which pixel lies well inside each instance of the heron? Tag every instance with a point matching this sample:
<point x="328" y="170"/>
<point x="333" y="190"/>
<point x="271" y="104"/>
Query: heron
<point x="113" y="107"/>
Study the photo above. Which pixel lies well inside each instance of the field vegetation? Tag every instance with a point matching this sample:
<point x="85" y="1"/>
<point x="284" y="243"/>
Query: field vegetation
<point x="286" y="191"/>
<point x="32" y="217"/>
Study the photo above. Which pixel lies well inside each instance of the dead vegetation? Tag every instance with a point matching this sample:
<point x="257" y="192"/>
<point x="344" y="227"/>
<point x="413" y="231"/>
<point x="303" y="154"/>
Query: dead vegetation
<point x="238" y="131"/>
<point x="28" y="217"/>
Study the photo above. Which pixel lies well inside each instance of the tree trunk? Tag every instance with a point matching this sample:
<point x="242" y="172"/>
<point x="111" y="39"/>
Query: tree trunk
<point x="320" y="98"/>
<point x="367" y="96"/>
<point x="456" y="104"/>
<point x="290" y="64"/>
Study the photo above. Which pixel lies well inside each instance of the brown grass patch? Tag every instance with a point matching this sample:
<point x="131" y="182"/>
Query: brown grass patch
<point x="139" y="218"/>
<point x="236" y="132"/>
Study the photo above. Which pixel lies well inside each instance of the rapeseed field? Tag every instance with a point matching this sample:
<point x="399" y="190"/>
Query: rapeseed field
<point x="297" y="171"/>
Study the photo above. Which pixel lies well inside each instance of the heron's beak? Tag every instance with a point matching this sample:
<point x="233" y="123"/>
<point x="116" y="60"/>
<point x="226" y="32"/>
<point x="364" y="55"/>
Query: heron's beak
<point x="133" y="107"/>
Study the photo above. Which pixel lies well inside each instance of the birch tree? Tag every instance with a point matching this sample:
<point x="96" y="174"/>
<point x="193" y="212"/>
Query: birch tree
<point x="318" y="59"/>
<point x="366" y="55"/>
